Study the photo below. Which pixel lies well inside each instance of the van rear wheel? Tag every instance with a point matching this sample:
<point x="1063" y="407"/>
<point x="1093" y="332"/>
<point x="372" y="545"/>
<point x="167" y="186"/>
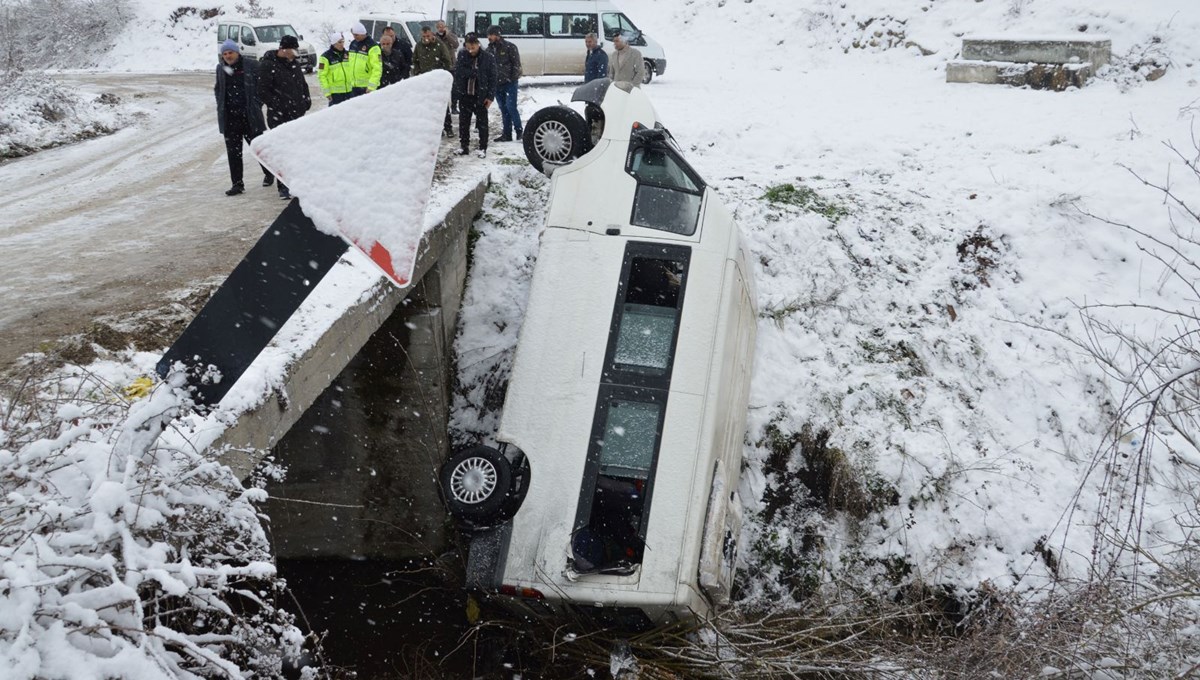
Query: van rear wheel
<point x="475" y="484"/>
<point x="647" y="72"/>
<point x="555" y="134"/>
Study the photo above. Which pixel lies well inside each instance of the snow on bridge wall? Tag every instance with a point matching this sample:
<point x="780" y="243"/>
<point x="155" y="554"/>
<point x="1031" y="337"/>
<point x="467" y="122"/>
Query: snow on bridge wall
<point x="371" y="397"/>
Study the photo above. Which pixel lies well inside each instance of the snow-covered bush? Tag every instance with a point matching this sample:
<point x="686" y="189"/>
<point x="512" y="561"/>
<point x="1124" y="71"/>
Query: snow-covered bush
<point x="122" y="557"/>
<point x="37" y="112"/>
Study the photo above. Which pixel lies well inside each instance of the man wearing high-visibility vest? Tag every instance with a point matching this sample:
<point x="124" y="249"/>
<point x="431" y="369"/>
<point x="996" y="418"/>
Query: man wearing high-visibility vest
<point x="366" y="61"/>
<point x="333" y="71"/>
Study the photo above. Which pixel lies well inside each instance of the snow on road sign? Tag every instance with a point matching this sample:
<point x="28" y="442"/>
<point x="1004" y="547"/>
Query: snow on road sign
<point x="363" y="169"/>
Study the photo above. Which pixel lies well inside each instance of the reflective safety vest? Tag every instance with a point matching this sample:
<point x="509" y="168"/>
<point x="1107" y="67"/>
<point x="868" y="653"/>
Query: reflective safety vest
<point x="366" y="63"/>
<point x="333" y="72"/>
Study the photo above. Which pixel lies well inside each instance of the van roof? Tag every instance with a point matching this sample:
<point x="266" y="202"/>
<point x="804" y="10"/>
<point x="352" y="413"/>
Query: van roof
<point x="401" y="16"/>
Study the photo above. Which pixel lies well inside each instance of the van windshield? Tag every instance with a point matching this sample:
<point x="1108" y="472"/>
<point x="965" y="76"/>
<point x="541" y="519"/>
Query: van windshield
<point x="272" y="34"/>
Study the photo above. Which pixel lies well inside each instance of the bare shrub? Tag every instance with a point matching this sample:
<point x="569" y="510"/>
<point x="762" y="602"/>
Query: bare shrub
<point x="124" y="554"/>
<point x="29" y="28"/>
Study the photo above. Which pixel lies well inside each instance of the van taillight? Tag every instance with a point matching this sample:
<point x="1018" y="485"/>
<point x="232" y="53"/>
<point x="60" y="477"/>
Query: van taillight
<point x="513" y="591"/>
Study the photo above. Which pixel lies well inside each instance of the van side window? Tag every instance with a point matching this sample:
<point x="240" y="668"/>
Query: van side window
<point x="457" y="19"/>
<point x="248" y="36"/>
<point x="571" y="25"/>
<point x="512" y="24"/>
<point x="669" y="193"/>
<point x="222" y="31"/>
<point x="618" y="481"/>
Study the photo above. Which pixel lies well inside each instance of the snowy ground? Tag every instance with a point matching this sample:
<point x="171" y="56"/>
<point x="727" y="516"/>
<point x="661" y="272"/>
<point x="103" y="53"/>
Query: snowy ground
<point x="111" y="226"/>
<point x="897" y="310"/>
<point x="911" y="295"/>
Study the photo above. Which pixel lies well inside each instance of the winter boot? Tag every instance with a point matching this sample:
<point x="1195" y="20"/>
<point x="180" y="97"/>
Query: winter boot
<point x="235" y="189"/>
<point x="268" y="180"/>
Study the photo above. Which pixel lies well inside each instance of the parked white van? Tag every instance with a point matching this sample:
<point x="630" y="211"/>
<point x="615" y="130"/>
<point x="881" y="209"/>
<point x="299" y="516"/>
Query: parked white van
<point x="613" y="491"/>
<point x="549" y="33"/>
<point x="256" y="37"/>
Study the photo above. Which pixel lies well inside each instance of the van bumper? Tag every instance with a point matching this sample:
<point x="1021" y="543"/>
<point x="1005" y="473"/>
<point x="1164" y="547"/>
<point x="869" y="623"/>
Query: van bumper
<point x="660" y="66"/>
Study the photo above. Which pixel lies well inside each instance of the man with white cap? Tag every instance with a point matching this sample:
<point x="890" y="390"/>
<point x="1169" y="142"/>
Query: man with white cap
<point x="366" y="64"/>
<point x="333" y="71"/>
<point x="239" y="110"/>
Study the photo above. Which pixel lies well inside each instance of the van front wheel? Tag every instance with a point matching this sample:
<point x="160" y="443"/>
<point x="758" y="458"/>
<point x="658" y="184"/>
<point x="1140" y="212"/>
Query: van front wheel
<point x="475" y="484"/>
<point x="647" y="72"/>
<point x="555" y="134"/>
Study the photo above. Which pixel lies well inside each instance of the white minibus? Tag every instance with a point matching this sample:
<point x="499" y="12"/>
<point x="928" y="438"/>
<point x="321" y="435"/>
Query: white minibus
<point x="549" y="33"/>
<point x="612" y="491"/>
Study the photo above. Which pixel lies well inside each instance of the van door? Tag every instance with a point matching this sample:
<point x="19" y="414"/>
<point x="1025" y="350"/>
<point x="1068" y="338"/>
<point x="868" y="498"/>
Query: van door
<point x="526" y="30"/>
<point x="249" y="43"/>
<point x="722" y="530"/>
<point x="565" y="51"/>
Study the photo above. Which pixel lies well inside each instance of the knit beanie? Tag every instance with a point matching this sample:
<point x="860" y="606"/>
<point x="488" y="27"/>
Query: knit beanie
<point x="229" y="46"/>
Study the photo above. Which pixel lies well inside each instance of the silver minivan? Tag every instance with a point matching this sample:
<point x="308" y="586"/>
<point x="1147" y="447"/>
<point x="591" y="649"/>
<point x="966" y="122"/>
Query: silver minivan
<point x="256" y="37"/>
<point x="549" y="33"/>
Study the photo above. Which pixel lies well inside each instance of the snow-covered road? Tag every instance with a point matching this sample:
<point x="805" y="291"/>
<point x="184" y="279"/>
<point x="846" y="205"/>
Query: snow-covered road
<point x="114" y="225"/>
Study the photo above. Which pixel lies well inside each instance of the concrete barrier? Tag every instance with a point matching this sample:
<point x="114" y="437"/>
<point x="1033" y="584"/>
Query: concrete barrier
<point x="258" y="430"/>
<point x="1094" y="50"/>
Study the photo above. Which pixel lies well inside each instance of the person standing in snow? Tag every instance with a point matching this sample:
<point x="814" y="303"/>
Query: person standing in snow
<point x="239" y="110"/>
<point x="333" y="71"/>
<point x="366" y="66"/>
<point x="431" y="54"/>
<point x="282" y="88"/>
<point x="595" y="64"/>
<point x="508" y="72"/>
<point x="444" y="34"/>
<point x="475" y="88"/>
<point x="396" y="57"/>
<point x="626" y="64"/>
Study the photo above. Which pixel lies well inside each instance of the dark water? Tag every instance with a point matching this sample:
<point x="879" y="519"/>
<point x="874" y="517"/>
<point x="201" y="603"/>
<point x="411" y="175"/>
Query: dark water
<point x="384" y="619"/>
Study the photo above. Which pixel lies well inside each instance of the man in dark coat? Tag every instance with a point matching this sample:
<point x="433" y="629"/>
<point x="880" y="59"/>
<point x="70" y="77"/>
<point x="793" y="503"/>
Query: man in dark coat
<point x="475" y="88"/>
<point x="239" y="110"/>
<point x="396" y="56"/>
<point x="595" y="65"/>
<point x="508" y="71"/>
<point x="282" y="87"/>
<point x="431" y="54"/>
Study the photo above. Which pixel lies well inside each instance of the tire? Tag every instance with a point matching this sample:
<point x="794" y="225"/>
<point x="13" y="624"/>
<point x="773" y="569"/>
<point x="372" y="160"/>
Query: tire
<point x="476" y="484"/>
<point x="556" y="134"/>
<point x="594" y="117"/>
<point x="647" y="72"/>
<point x="518" y="488"/>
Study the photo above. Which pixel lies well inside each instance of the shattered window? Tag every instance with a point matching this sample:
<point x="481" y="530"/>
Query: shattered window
<point x="668" y="196"/>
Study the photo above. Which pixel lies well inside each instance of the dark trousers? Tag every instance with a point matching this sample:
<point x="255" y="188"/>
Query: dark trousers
<point x="357" y="92"/>
<point x="339" y="97"/>
<point x="274" y="120"/>
<point x="506" y="97"/>
<point x="468" y="106"/>
<point x="446" y="124"/>
<point x="234" y="136"/>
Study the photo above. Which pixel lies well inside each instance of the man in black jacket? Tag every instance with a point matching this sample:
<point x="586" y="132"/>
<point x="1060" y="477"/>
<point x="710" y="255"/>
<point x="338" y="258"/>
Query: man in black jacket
<point x="239" y="110"/>
<point x="396" y="56"/>
<point x="508" y="72"/>
<point x="282" y="88"/>
<point x="475" y="88"/>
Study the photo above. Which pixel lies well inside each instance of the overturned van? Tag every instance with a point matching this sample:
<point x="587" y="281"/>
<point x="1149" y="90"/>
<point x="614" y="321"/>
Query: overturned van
<point x="613" y="489"/>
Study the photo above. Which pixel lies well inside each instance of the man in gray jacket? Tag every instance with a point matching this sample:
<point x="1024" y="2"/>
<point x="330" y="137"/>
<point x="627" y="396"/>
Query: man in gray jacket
<point x="626" y="64"/>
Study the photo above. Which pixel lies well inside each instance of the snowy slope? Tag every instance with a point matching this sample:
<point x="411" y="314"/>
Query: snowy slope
<point x="905" y="325"/>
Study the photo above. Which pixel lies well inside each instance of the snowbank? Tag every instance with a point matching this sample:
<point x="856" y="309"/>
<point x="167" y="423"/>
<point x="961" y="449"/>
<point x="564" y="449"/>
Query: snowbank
<point x="39" y="113"/>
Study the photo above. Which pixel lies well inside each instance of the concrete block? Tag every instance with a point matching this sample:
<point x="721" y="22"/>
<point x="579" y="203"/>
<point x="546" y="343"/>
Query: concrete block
<point x="1055" y="77"/>
<point x="1095" y="50"/>
<point x="244" y="443"/>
